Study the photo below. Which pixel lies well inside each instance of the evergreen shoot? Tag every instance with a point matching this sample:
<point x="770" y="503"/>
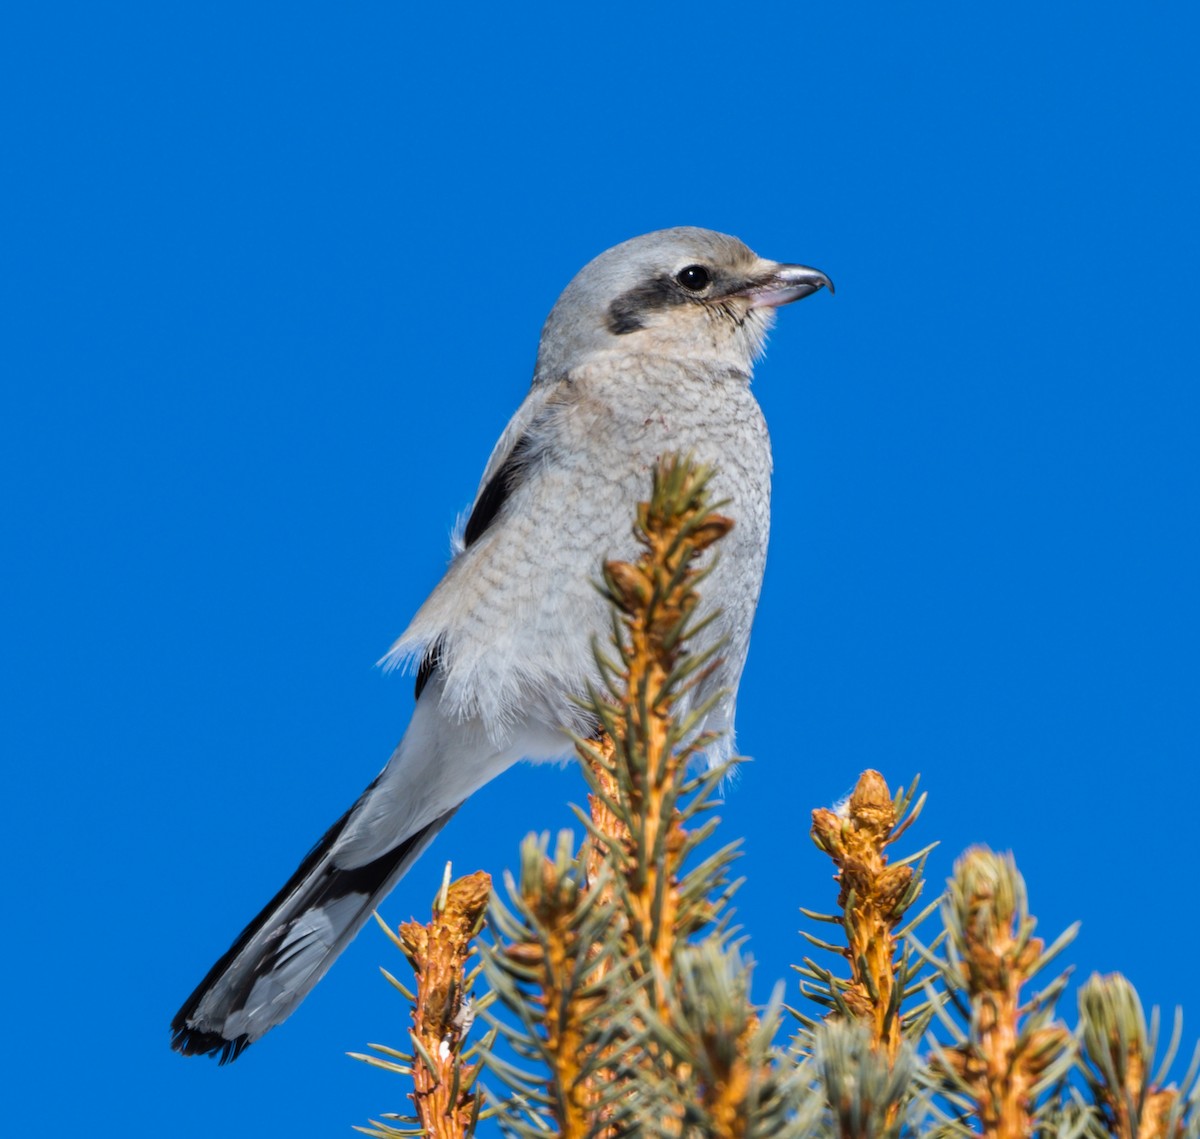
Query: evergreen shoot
<point x="618" y="1001"/>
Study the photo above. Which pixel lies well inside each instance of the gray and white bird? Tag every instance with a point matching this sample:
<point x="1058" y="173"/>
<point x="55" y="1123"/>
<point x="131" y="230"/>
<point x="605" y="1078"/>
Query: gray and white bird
<point x="649" y="350"/>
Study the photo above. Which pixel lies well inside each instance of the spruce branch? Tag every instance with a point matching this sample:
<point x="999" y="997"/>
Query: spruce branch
<point x="588" y="948"/>
<point x="553" y="965"/>
<point x="639" y="780"/>
<point x="1009" y="1050"/>
<point x="874" y="900"/>
<point x="738" y="1085"/>
<point x="445" y="1097"/>
<point x="1119" y="1056"/>
<point x="627" y="997"/>
<point x="868" y="1090"/>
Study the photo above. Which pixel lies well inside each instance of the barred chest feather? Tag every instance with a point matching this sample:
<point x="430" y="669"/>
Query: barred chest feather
<point x="589" y="458"/>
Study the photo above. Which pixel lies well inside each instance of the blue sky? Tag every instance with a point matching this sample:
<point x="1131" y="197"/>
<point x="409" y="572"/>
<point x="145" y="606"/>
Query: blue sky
<point x="273" y="279"/>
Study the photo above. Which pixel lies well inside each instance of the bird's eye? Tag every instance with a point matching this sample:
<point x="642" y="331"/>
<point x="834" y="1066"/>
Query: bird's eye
<point x="694" y="278"/>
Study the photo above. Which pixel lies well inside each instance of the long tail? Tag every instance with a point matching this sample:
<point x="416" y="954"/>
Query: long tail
<point x="288" y="947"/>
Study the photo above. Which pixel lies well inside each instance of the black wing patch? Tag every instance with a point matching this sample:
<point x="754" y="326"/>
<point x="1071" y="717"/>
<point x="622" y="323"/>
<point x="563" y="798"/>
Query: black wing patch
<point x="430" y="663"/>
<point x="496" y="493"/>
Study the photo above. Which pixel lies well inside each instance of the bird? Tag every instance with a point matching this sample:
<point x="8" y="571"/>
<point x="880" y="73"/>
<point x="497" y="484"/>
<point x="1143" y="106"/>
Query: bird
<point x="648" y="351"/>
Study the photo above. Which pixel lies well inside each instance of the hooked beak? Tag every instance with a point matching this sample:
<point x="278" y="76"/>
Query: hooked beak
<point x="782" y="284"/>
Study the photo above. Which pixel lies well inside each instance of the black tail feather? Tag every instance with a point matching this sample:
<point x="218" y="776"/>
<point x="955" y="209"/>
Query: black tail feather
<point x="371" y="881"/>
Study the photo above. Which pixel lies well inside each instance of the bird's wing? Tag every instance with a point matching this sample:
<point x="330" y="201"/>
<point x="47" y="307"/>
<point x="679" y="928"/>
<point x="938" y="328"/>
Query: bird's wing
<point x="532" y="405"/>
<point x="504" y="469"/>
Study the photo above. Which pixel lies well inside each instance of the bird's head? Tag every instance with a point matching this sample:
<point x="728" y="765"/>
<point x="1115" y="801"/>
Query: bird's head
<point x="685" y="293"/>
